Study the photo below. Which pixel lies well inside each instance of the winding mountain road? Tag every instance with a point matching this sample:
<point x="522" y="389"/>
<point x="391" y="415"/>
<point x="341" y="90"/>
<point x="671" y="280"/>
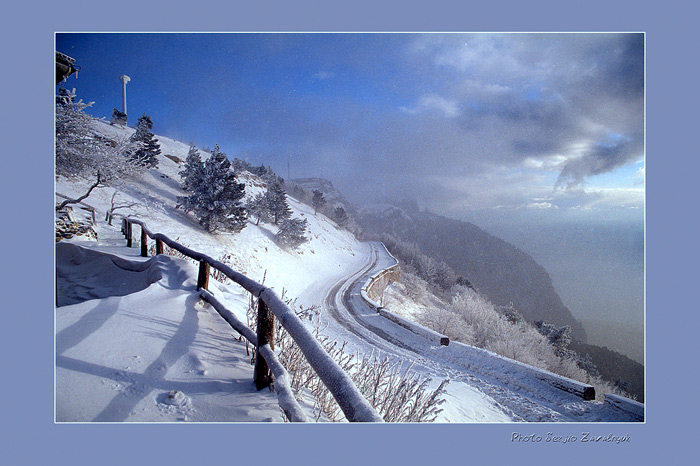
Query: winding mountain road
<point x="518" y="396"/>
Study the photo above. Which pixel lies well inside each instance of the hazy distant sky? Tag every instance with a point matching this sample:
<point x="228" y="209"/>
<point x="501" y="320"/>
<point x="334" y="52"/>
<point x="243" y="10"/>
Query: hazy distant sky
<point x="547" y="126"/>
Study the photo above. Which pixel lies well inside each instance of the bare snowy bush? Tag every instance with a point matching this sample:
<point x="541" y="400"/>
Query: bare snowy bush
<point x="80" y="152"/>
<point x="493" y="331"/>
<point x="472" y="319"/>
<point x="114" y="206"/>
<point x="399" y="395"/>
<point x="478" y="313"/>
<point x="218" y="275"/>
<point x="521" y="344"/>
<point x="440" y="277"/>
<point x="416" y="287"/>
<point x="447" y="323"/>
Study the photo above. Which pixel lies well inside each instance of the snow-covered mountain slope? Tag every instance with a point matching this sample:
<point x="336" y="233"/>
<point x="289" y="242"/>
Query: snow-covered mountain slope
<point x="252" y="251"/>
<point x="333" y="197"/>
<point x="141" y="310"/>
<point x="129" y="330"/>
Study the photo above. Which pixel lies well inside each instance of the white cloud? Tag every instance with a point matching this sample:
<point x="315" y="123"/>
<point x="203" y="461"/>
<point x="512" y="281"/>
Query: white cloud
<point x="431" y="103"/>
<point x="552" y="163"/>
<point x="541" y="205"/>
<point x="601" y="199"/>
<point x="477" y="89"/>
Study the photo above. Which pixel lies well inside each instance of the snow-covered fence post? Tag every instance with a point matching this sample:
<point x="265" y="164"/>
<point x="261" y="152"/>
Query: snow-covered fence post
<point x="129" y="231"/>
<point x="266" y="336"/>
<point x="203" y="277"/>
<point x="144" y="242"/>
<point x="351" y="401"/>
<point x="159" y="246"/>
<point x="285" y="395"/>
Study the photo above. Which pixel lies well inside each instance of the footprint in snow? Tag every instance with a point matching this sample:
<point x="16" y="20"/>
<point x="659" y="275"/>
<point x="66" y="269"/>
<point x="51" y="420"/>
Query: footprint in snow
<point x="175" y="398"/>
<point x="196" y="365"/>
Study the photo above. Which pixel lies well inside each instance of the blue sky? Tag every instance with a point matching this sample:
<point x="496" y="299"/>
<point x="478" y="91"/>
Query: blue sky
<point x="469" y="125"/>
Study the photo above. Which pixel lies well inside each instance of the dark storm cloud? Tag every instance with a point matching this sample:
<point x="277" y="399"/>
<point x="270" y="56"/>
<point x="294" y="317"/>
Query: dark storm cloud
<point x="545" y="96"/>
<point x="402" y="109"/>
<point x="408" y="110"/>
<point x="601" y="158"/>
<point x="622" y="66"/>
<point x="531" y="147"/>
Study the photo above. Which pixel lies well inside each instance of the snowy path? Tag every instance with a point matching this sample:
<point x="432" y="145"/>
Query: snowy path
<point x="131" y="331"/>
<point x="477" y="392"/>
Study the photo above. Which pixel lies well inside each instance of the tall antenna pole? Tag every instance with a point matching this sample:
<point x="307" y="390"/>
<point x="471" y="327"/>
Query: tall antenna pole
<point x="124" y="79"/>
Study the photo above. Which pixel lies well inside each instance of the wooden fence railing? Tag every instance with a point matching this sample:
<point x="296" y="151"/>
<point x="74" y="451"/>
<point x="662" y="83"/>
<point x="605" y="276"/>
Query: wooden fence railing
<point x="83" y="206"/>
<point x="267" y="367"/>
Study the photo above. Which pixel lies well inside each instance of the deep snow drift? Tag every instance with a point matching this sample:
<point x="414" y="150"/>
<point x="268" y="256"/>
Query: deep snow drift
<point x="151" y="354"/>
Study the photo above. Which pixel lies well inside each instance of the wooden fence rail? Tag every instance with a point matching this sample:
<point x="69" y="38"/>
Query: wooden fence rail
<point x="268" y="369"/>
<point x="83" y="206"/>
<point x="285" y="396"/>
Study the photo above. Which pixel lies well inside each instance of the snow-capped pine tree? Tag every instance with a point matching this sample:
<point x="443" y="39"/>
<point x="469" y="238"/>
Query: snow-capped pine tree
<point x="241" y="165"/>
<point x="266" y="174"/>
<point x="260" y="171"/>
<point x="147" y="154"/>
<point x="291" y="233"/>
<point x="258" y="208"/>
<point x="340" y="216"/>
<point x="559" y="337"/>
<point x="118" y="118"/>
<point x="216" y="201"/>
<point x="277" y="201"/>
<point x="318" y="201"/>
<point x="193" y="172"/>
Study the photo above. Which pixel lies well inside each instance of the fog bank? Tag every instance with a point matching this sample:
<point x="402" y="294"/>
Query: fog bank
<point x="598" y="271"/>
